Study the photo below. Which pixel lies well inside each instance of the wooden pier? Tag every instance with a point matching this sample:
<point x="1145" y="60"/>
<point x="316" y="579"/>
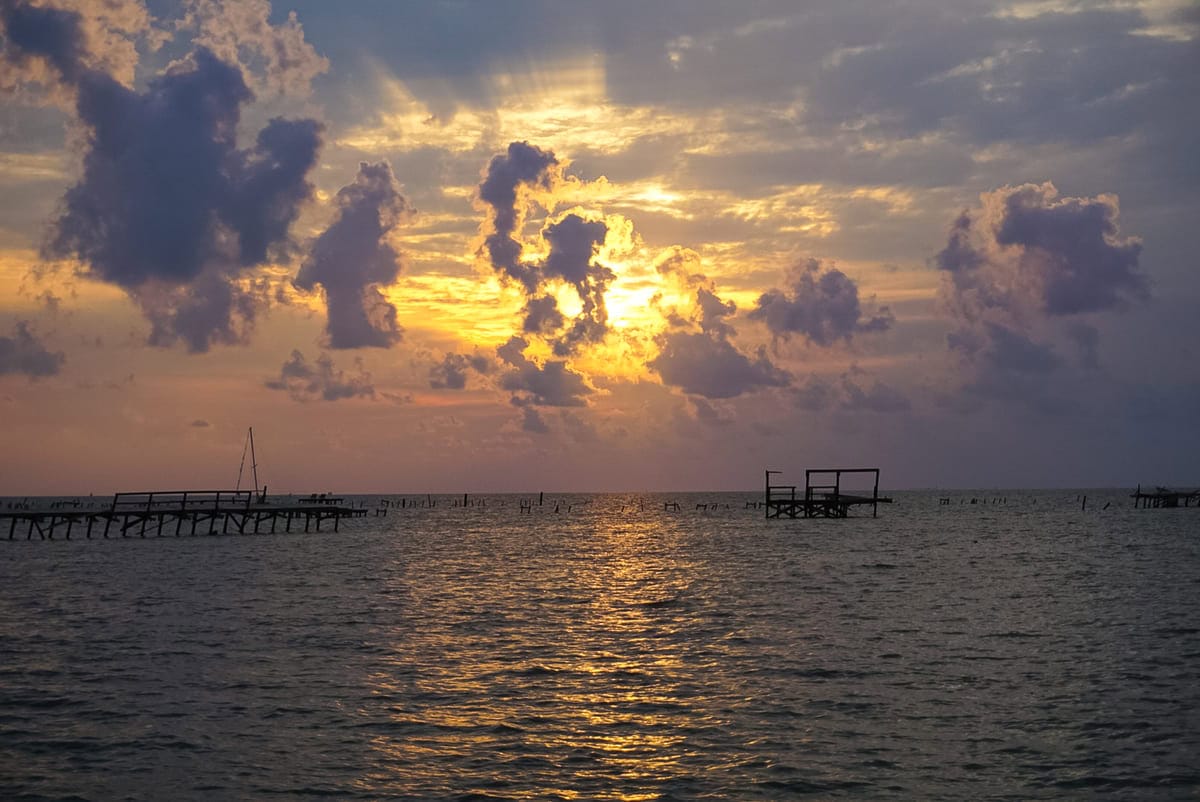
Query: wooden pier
<point x="181" y="512"/>
<point x="820" y="500"/>
<point x="1164" y="497"/>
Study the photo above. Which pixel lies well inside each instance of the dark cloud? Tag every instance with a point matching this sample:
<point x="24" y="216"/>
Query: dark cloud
<point x="1009" y="350"/>
<point x="708" y="414"/>
<point x="451" y="372"/>
<point x="815" y="395"/>
<point x="270" y="186"/>
<point x="24" y="353"/>
<point x="523" y="165"/>
<point x="352" y="259"/>
<point x="712" y="367"/>
<point x="305" y="381"/>
<point x="166" y="196"/>
<point x="696" y="353"/>
<point x="1028" y="251"/>
<point x="542" y="315"/>
<point x="200" y="423"/>
<point x="1073" y="247"/>
<point x="552" y="384"/>
<point x="574" y="242"/>
<point x="821" y="304"/>
<point x="533" y="422"/>
<point x="208" y="311"/>
<point x="960" y="255"/>
<point x="850" y="393"/>
<point x="1021" y="273"/>
<point x="876" y="397"/>
<point x="42" y="32"/>
<point x="713" y="312"/>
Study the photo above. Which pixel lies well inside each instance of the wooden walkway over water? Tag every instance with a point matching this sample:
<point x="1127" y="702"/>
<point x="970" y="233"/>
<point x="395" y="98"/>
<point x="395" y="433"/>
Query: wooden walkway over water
<point x="1164" y="497"/>
<point x="820" y="500"/>
<point x="178" y="513"/>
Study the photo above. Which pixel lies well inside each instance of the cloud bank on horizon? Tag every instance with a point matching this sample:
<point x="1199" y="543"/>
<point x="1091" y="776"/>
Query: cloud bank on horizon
<point x="669" y="225"/>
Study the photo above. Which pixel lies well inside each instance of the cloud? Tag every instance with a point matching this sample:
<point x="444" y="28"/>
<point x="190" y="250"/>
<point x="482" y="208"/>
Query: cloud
<point x="200" y="423"/>
<point x="451" y="372"/>
<point x="850" y="393"/>
<point x="1023" y="276"/>
<point x="542" y="315"/>
<point x="49" y="46"/>
<point x="877" y="397"/>
<point x="532" y="421"/>
<point x="166" y="197"/>
<point x="208" y="311"/>
<point x="1009" y="350"/>
<point x="277" y="58"/>
<point x="712" y="367"/>
<point x="552" y="384"/>
<point x="695" y="353"/>
<point x="522" y="168"/>
<point x="53" y="34"/>
<point x="823" y="306"/>
<point x="708" y="414"/>
<point x="24" y="353"/>
<point x="1027" y="257"/>
<point x="320" y="381"/>
<point x="352" y="259"/>
<point x="1025" y="251"/>
<point x="574" y="242"/>
<point x="815" y="395"/>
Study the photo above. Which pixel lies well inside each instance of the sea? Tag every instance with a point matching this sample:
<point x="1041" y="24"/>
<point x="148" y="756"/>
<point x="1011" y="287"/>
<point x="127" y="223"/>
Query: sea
<point x="987" y="644"/>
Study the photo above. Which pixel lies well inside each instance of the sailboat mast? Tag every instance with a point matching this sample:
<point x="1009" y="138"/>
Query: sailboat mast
<point x="242" y="464"/>
<point x="253" y="461"/>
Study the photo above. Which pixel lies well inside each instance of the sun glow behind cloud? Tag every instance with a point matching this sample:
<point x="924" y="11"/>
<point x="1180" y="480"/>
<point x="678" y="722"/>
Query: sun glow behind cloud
<point x="562" y="105"/>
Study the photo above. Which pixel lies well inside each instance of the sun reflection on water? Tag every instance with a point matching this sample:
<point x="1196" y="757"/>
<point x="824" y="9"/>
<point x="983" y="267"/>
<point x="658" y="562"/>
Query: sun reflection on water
<point x="585" y="668"/>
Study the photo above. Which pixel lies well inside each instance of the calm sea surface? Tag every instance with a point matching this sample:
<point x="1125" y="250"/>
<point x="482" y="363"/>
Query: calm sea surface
<point x="1017" y="650"/>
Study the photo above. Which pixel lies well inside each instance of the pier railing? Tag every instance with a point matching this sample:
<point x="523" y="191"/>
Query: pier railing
<point x="211" y="501"/>
<point x="820" y="500"/>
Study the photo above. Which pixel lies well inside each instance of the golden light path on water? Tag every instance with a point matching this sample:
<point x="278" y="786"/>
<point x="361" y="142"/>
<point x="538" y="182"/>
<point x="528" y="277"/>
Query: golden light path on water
<point x="601" y="692"/>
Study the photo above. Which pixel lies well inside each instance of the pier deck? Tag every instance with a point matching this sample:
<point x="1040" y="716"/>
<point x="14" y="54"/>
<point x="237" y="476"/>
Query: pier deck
<point x="820" y="500"/>
<point x="1162" y="497"/>
<point x="180" y="512"/>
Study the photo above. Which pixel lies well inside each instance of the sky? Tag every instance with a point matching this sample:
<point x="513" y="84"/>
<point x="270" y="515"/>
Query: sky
<point x="619" y="246"/>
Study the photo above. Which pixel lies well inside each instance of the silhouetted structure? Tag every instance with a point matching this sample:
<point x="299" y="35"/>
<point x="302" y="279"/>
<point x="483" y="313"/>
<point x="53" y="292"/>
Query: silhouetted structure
<point x="1164" y="497"/>
<point x="820" y="500"/>
<point x="191" y="510"/>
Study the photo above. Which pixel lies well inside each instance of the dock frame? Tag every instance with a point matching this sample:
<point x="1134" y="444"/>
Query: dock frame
<point x="820" y="500"/>
<point x="1164" y="497"/>
<point x="183" y="512"/>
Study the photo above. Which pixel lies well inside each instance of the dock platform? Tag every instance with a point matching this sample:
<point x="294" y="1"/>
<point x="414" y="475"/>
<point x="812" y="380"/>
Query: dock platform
<point x="180" y="512"/>
<point x="1164" y="497"/>
<point x="820" y="500"/>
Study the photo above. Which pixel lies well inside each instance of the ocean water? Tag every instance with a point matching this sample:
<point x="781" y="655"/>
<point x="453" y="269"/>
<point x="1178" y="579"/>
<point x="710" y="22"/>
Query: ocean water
<point x="601" y="647"/>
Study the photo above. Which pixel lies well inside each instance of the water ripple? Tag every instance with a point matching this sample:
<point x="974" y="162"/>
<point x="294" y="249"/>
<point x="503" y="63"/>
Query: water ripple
<point x="938" y="652"/>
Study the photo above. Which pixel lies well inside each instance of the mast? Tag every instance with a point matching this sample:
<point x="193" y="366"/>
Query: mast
<point x="253" y="462"/>
<point x="242" y="465"/>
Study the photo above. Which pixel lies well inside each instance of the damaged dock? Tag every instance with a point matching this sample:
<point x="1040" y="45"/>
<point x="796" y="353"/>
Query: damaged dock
<point x="182" y="512"/>
<point x="1164" y="497"/>
<point x="824" y="499"/>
